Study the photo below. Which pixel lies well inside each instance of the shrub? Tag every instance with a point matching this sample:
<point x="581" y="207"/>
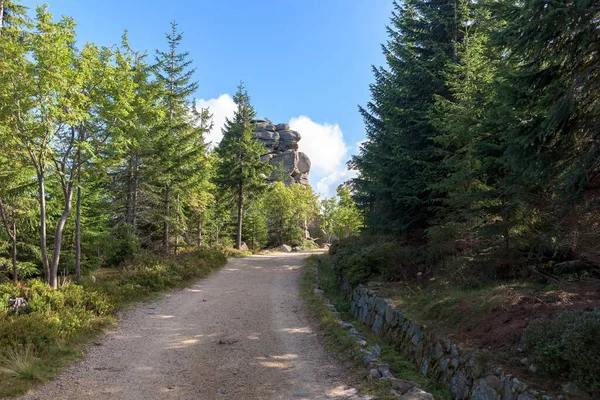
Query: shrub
<point x="33" y="345"/>
<point x="308" y="244"/>
<point x="567" y="346"/>
<point x="358" y="259"/>
<point x="62" y="314"/>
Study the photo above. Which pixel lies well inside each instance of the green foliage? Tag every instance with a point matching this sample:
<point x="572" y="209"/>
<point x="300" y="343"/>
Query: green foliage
<point x="481" y="131"/>
<point x="53" y="314"/>
<point x="340" y="218"/>
<point x="33" y="345"/>
<point x="361" y="258"/>
<point x="240" y="172"/>
<point x="567" y="347"/>
<point x="288" y="210"/>
<point x="398" y="162"/>
<point x="255" y="230"/>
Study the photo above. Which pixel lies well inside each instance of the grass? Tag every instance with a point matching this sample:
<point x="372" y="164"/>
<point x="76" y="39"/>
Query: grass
<point x="453" y="306"/>
<point x="342" y="343"/>
<point x="35" y="346"/>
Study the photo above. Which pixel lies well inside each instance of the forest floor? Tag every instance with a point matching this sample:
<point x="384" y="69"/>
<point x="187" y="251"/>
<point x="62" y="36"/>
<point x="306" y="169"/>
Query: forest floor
<point x="491" y="320"/>
<point x="242" y="333"/>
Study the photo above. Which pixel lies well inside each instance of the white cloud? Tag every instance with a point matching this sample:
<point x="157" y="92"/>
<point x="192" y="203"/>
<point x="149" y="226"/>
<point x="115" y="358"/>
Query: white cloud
<point x="327" y="185"/>
<point x="323" y="143"/>
<point x="325" y="146"/>
<point x="221" y="108"/>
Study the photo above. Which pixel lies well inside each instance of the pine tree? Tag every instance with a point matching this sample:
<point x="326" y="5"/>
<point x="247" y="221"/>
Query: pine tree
<point x="177" y="133"/>
<point x="465" y="137"/>
<point x="241" y="174"/>
<point x="555" y="138"/>
<point x="398" y="163"/>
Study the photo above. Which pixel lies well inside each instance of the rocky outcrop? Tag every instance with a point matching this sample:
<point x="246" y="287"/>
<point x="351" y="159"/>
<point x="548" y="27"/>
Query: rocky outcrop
<point x="281" y="144"/>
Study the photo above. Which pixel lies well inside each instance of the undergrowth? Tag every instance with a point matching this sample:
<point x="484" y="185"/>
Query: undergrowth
<point x="33" y="346"/>
<point x="341" y="342"/>
<point x="567" y="347"/>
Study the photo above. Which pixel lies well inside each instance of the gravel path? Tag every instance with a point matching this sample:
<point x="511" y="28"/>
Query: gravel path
<point x="242" y="333"/>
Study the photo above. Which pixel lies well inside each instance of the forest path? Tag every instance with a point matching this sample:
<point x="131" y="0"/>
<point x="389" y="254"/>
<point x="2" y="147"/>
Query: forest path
<point x="242" y="333"/>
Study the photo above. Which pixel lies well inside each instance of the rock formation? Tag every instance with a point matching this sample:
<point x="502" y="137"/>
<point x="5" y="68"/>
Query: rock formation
<point x="281" y="144"/>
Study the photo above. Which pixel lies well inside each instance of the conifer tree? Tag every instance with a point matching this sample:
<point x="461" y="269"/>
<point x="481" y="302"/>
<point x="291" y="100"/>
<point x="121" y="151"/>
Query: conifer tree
<point x="554" y="139"/>
<point x="241" y="174"/>
<point x="464" y="133"/>
<point x="398" y="163"/>
<point x="177" y="134"/>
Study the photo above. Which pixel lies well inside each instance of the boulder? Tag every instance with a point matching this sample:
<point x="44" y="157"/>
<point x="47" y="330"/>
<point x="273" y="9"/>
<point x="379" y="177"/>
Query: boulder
<point x="303" y="163"/>
<point x="286" y="160"/>
<point x="288" y="140"/>
<point x="284" y="248"/>
<point x="268" y="139"/>
<point x="416" y="394"/>
<point x="401" y="385"/>
<point x="18" y="306"/>
<point x="244" y="247"/>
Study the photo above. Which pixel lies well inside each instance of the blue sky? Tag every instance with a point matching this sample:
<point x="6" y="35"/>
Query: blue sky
<point x="307" y="62"/>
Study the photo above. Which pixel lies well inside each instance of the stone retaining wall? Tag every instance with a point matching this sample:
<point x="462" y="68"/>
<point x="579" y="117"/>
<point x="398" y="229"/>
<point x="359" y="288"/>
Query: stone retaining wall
<point x="441" y="360"/>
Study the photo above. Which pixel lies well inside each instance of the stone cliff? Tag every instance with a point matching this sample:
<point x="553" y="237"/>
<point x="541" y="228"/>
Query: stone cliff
<point x="281" y="144"/>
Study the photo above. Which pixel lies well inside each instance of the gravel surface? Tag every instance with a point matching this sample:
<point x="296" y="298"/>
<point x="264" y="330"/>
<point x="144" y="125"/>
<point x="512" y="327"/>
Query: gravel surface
<point x="242" y="333"/>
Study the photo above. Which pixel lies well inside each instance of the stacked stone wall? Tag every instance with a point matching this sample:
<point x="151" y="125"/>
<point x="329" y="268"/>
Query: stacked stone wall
<point x="465" y="376"/>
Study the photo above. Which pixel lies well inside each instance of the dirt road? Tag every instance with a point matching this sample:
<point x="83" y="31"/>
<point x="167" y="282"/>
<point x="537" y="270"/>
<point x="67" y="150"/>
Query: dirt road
<point x="242" y="333"/>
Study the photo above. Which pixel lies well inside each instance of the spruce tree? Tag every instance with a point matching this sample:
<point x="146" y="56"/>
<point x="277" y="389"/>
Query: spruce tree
<point x="241" y="174"/>
<point x="554" y="137"/>
<point x="398" y="163"/>
<point x="177" y="134"/>
<point x="466" y="137"/>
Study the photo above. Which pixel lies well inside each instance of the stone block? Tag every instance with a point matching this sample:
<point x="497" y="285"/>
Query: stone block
<point x="483" y="391"/>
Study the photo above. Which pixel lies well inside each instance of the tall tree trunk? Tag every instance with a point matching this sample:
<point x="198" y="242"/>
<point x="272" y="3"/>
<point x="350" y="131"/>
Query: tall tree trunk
<point x="166" y="222"/>
<point x="11" y="231"/>
<point x="1" y="15"/>
<point x="14" y="247"/>
<point x="135" y="193"/>
<point x="78" y="233"/>
<point x="238" y="241"/>
<point x="199" y="231"/>
<point x="58" y="237"/>
<point x="43" y="239"/>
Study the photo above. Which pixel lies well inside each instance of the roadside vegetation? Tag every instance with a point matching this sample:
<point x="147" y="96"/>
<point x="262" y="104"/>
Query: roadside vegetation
<point x="56" y="325"/>
<point x="342" y="343"/>
<point x="542" y="328"/>
<point x="479" y="180"/>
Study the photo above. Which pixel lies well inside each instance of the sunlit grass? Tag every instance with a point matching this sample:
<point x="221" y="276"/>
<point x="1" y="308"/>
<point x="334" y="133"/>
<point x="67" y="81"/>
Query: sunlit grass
<point x="343" y="344"/>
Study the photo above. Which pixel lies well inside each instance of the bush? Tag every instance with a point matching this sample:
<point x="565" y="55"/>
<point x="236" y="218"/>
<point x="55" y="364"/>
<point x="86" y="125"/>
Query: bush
<point x="358" y="259"/>
<point x="60" y="315"/>
<point x="567" y="346"/>
<point x="308" y="244"/>
<point x="35" y="344"/>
